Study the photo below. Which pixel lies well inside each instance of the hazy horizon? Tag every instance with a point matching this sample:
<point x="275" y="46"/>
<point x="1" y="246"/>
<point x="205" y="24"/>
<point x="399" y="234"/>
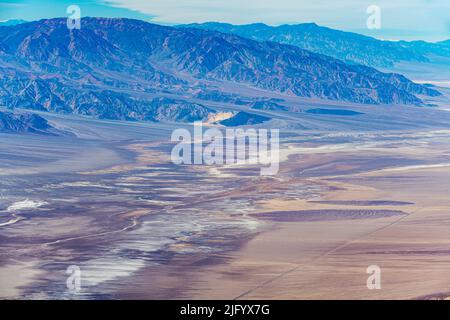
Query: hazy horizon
<point x="403" y="20"/>
<point x="237" y="24"/>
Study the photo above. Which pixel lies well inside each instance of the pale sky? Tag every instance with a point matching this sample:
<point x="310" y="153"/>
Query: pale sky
<point x="400" y="19"/>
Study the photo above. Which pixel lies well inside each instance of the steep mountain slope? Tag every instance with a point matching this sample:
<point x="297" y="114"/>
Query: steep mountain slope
<point x="26" y="123"/>
<point x="347" y="46"/>
<point x="133" y="70"/>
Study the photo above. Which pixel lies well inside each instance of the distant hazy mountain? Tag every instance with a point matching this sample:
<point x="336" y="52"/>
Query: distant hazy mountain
<point x="347" y="46"/>
<point x="25" y="123"/>
<point x="269" y="105"/>
<point x="134" y="70"/>
<point x="11" y="22"/>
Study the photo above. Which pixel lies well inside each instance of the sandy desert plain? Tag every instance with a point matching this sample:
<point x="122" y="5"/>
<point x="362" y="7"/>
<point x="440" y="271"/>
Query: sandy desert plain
<point x="352" y="191"/>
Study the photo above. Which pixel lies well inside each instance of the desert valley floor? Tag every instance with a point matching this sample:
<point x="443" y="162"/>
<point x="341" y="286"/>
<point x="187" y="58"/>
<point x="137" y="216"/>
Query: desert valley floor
<point x="352" y="192"/>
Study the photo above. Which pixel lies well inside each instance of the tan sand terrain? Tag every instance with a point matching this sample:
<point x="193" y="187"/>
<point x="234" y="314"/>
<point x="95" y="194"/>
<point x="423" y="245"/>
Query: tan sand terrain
<point x="328" y="258"/>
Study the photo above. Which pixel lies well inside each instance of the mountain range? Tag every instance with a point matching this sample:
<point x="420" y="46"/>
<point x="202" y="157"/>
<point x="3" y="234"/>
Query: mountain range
<point x="133" y="70"/>
<point x="347" y="46"/>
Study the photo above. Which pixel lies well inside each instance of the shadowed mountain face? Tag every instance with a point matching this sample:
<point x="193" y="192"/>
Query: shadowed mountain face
<point x="25" y="123"/>
<point x="244" y="118"/>
<point x="130" y="69"/>
<point x="347" y="46"/>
